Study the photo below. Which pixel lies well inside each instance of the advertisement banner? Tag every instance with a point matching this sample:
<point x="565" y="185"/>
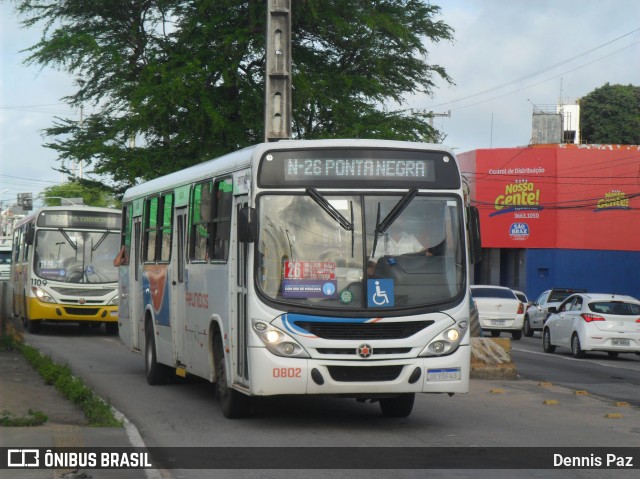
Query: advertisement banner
<point x="556" y="196"/>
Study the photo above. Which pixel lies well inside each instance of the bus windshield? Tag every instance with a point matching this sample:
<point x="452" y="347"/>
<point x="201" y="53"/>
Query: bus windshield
<point x="74" y="256"/>
<point x="328" y="251"/>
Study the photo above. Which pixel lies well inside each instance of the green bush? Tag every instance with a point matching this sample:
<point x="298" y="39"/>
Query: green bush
<point x="97" y="412"/>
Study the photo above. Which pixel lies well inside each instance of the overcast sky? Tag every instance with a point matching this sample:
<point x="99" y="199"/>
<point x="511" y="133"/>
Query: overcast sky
<point x="506" y="57"/>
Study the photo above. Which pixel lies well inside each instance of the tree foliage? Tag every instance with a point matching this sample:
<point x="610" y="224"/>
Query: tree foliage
<point x="92" y="193"/>
<point x="611" y="114"/>
<point x="171" y="83"/>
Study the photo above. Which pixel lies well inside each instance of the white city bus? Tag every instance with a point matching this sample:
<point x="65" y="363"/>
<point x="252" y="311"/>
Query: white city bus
<point x="268" y="272"/>
<point x="62" y="267"/>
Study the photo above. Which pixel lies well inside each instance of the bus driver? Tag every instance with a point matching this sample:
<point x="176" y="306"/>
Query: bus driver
<point x="398" y="242"/>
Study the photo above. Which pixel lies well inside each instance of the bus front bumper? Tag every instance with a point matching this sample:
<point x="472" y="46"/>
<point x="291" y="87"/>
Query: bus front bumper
<point x="71" y="312"/>
<point x="273" y="375"/>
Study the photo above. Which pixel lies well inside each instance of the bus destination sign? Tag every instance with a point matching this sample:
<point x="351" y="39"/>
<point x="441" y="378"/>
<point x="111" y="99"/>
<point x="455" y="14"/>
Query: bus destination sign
<point x="358" y="167"/>
<point x="79" y="219"/>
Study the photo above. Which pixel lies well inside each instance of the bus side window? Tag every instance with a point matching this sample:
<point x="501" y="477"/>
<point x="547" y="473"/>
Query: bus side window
<point x="166" y="228"/>
<point x="150" y="229"/>
<point x="222" y="219"/>
<point x="200" y="222"/>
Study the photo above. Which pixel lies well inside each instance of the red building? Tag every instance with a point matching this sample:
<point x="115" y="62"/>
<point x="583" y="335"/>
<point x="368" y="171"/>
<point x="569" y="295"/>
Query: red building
<point x="558" y="215"/>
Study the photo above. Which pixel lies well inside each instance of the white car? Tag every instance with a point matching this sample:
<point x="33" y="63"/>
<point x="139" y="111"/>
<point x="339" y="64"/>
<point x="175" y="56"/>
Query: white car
<point x="594" y="322"/>
<point x="499" y="310"/>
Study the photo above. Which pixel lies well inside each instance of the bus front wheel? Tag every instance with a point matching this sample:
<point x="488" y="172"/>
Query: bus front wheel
<point x="32" y="326"/>
<point x="399" y="406"/>
<point x="156" y="373"/>
<point x="234" y="404"/>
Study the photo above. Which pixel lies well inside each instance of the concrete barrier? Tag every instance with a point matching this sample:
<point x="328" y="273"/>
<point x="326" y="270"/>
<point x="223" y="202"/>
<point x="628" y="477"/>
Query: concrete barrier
<point x="491" y="359"/>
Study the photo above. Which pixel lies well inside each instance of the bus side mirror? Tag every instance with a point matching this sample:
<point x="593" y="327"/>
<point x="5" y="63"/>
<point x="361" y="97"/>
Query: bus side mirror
<point x="28" y="236"/>
<point x="475" y="243"/>
<point x="247" y="230"/>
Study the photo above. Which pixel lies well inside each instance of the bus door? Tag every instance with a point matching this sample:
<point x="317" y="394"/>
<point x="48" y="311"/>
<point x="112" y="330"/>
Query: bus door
<point x="135" y="280"/>
<point x="238" y="313"/>
<point x="178" y="290"/>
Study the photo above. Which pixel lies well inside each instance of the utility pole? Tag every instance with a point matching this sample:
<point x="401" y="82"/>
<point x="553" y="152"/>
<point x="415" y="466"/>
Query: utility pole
<point x="277" y="108"/>
<point x="430" y="114"/>
<point x="81" y="127"/>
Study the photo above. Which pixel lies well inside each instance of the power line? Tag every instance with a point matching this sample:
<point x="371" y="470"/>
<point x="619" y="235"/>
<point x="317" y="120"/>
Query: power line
<point x="543" y="70"/>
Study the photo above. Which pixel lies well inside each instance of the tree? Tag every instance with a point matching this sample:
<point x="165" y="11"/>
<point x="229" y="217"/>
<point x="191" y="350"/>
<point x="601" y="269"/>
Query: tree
<point x="611" y="114"/>
<point x="92" y="193"/>
<point x="176" y="82"/>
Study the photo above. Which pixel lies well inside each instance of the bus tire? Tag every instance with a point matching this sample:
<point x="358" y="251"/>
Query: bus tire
<point x="32" y="326"/>
<point x="156" y="373"/>
<point x="111" y="328"/>
<point x="399" y="406"/>
<point x="234" y="404"/>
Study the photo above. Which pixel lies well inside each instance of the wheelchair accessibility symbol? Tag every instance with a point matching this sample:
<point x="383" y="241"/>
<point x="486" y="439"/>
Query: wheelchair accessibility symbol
<point x="380" y="293"/>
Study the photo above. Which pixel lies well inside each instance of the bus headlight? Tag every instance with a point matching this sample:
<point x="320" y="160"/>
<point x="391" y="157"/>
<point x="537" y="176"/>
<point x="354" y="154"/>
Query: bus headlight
<point x="42" y="295"/>
<point x="447" y="341"/>
<point x="277" y="341"/>
<point x="114" y="301"/>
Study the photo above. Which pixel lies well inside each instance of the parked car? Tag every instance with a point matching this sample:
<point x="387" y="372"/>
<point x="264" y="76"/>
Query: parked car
<point x="538" y="313"/>
<point x="594" y="322"/>
<point x="499" y="310"/>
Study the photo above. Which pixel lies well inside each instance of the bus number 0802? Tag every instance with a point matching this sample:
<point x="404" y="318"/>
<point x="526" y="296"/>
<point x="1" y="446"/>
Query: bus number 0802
<point x="287" y="372"/>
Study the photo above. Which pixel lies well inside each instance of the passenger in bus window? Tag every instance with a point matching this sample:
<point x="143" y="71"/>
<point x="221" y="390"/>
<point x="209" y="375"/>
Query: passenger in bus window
<point x="121" y="257"/>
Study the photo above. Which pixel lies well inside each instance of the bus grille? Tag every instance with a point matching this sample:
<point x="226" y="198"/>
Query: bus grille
<point x="353" y="351"/>
<point x="83" y="292"/>
<point x="391" y="330"/>
<point x="82" y="311"/>
<point x="354" y="374"/>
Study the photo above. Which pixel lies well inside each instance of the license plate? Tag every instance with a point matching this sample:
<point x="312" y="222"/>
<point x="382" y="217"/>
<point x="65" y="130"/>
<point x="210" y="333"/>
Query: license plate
<point x="620" y="342"/>
<point x="450" y="374"/>
<point x="497" y="322"/>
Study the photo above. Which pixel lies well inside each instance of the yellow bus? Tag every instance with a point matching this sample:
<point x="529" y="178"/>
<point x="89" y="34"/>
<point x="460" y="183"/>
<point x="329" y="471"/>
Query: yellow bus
<point x="62" y="267"/>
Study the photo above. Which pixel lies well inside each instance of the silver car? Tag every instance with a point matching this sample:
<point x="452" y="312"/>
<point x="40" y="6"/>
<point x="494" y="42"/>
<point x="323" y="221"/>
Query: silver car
<point x="538" y="313"/>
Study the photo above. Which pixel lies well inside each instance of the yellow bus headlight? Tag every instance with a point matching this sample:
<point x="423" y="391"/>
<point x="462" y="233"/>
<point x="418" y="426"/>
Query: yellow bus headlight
<point x="42" y="295"/>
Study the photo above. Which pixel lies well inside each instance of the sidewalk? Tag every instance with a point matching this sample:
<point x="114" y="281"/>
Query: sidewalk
<point x="23" y="390"/>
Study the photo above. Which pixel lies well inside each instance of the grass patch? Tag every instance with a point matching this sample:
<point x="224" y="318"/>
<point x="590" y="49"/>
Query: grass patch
<point x="32" y="418"/>
<point x="97" y="412"/>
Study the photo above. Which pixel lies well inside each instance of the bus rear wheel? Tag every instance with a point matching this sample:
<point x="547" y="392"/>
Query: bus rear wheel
<point x="399" y="406"/>
<point x="234" y="404"/>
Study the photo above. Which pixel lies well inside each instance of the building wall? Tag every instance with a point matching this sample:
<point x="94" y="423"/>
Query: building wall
<point x="596" y="271"/>
<point x="558" y="215"/>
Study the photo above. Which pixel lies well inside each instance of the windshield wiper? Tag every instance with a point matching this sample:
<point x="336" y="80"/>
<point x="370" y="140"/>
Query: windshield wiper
<point x="66" y="236"/>
<point x="385" y="224"/>
<point x="330" y="209"/>
<point x="102" y="238"/>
